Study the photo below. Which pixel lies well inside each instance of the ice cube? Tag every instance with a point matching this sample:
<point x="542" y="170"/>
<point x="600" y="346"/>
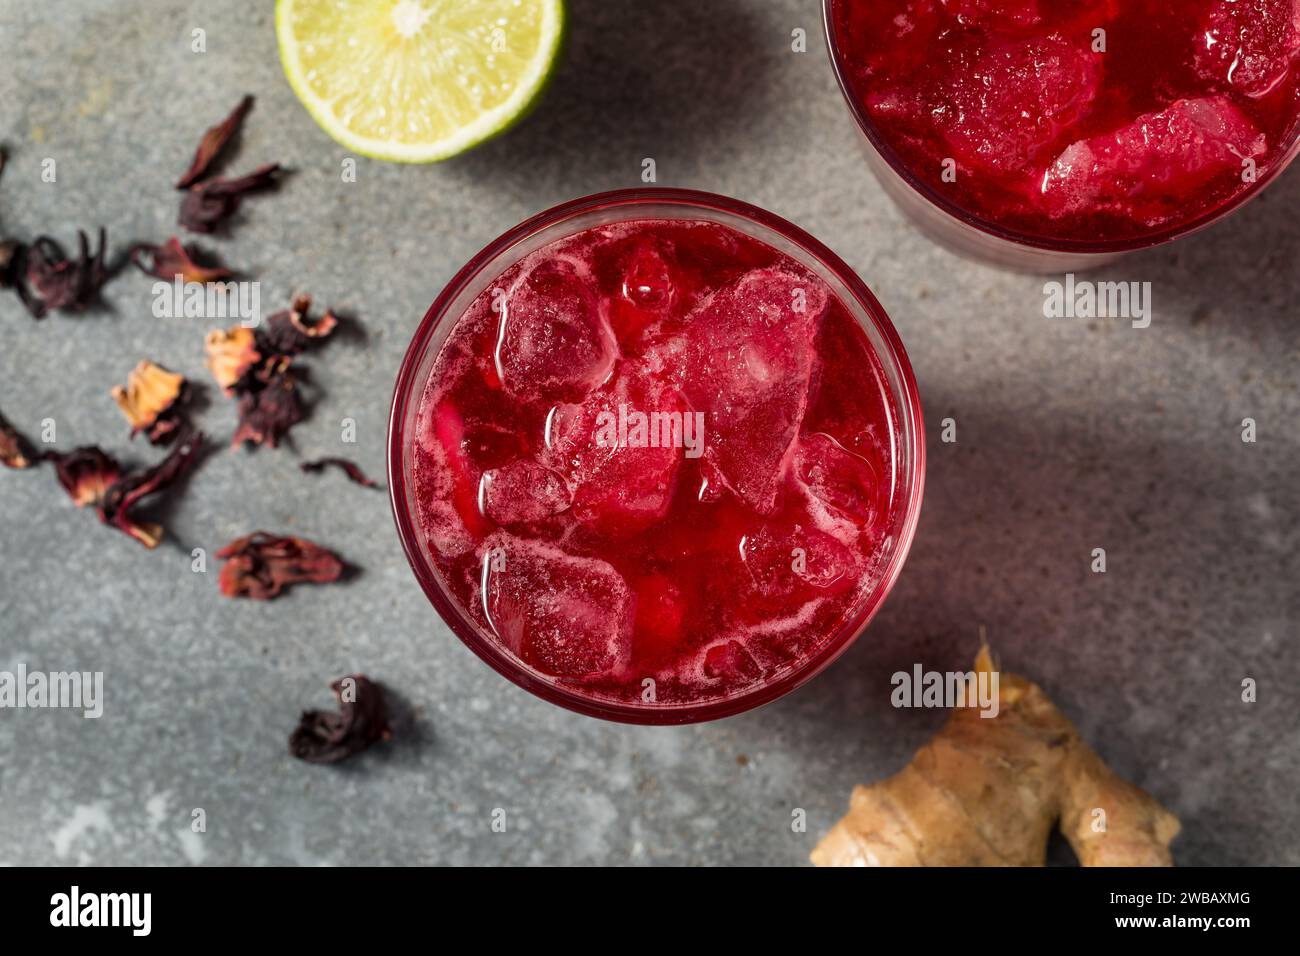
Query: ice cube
<point x="1248" y="45"/>
<point x="731" y="662"/>
<point x="553" y="344"/>
<point x="523" y="491"/>
<point x="1003" y="104"/>
<point x="1148" y="169"/>
<point x="646" y="291"/>
<point x="796" y="560"/>
<point x="564" y="615"/>
<point x="747" y="355"/>
<point x="839" y="478"/>
<point x="647" y="280"/>
<point x="620" y="450"/>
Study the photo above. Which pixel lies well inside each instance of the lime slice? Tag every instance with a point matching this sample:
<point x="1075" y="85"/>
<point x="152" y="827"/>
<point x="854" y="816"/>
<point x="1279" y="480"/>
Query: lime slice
<point x="417" y="80"/>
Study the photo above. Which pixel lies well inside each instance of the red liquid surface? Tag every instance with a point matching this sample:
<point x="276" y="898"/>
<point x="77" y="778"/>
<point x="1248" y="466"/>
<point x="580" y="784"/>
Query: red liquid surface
<point x="1054" y="138"/>
<point x="708" y="564"/>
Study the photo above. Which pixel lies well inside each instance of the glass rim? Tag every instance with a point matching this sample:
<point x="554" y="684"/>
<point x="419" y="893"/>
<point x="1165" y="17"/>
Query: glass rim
<point x="409" y="388"/>
<point x="1017" y="237"/>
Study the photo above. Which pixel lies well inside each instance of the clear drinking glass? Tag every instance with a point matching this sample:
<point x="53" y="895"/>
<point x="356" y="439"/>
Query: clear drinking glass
<point x="908" y="454"/>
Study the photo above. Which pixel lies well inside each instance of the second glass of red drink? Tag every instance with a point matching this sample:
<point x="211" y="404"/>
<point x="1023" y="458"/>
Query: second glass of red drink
<point x="1060" y="134"/>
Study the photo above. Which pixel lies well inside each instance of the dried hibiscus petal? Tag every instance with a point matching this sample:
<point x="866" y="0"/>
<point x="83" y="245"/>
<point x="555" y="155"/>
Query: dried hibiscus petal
<point x="171" y="259"/>
<point x="261" y="565"/>
<point x="290" y="331"/>
<point x="151" y="401"/>
<point x="213" y="142"/>
<point x="208" y="204"/>
<point x="348" y="467"/>
<point x="53" y="281"/>
<point x="268" y="411"/>
<point x="15" y="450"/>
<point x="124" y="494"/>
<point x="322" y="737"/>
<point x="86" y="474"/>
<point x="232" y="354"/>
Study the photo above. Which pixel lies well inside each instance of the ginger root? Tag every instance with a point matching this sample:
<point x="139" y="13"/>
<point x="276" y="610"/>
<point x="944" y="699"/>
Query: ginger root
<point x="986" y="791"/>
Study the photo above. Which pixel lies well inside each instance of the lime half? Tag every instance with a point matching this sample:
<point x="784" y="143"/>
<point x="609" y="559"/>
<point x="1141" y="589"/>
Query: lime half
<point x="417" y="80"/>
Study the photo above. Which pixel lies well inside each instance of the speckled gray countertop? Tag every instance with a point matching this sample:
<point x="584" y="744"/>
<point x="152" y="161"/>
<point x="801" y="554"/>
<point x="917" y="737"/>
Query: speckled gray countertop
<point x="1072" y="435"/>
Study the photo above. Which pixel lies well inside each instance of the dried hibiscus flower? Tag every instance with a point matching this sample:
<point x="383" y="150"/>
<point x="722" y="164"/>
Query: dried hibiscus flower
<point x="92" y="477"/>
<point x="213" y="142"/>
<point x="126" y="493"/>
<point x="232" y="354"/>
<point x="348" y="467"/>
<point x="267" y="412"/>
<point x="15" y="450"/>
<point x="53" y="281"/>
<point x="262" y="565"/>
<point x="290" y="331"/>
<point x="210" y="203"/>
<point x="256" y="367"/>
<point x="86" y="474"/>
<point x="322" y="737"/>
<point x="151" y="401"/>
<point x="171" y="259"/>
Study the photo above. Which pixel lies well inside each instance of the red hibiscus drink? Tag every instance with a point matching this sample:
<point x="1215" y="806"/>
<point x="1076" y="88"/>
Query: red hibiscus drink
<point x="656" y="456"/>
<point x="1061" y="133"/>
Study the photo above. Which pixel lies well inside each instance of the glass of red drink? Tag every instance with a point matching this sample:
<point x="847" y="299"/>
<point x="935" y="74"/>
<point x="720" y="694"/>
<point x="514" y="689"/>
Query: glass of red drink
<point x="1060" y="134"/>
<point x="656" y="455"/>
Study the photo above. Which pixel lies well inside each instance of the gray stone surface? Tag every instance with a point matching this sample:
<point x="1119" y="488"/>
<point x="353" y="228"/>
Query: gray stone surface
<point x="1072" y="435"/>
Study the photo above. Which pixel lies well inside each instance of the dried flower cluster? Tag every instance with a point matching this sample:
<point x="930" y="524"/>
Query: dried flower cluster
<point x="255" y="366"/>
<point x="46" y="279"/>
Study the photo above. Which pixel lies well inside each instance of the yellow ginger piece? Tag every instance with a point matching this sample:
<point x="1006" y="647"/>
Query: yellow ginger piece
<point x="986" y="791"/>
